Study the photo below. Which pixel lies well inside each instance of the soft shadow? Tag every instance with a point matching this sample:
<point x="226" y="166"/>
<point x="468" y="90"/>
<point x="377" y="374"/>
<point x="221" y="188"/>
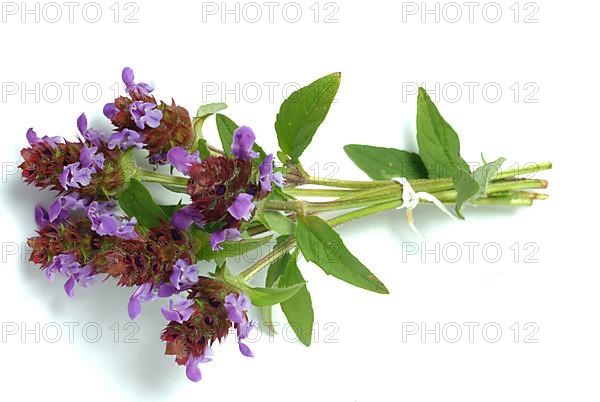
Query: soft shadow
<point x="148" y="371"/>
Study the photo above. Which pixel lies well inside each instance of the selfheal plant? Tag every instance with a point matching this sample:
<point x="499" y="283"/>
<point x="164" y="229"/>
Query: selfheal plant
<point x="104" y="223"/>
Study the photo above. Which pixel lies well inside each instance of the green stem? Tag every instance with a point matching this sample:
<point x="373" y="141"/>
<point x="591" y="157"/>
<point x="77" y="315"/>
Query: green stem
<point x="319" y="192"/>
<point x="157" y="177"/>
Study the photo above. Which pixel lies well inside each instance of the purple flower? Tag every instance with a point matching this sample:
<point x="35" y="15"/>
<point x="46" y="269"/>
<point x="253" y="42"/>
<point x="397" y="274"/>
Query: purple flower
<point x="59" y="209"/>
<point x="242" y="207"/>
<point x="219" y="237"/>
<point x="74" y="175"/>
<point x="143" y="293"/>
<point x="106" y="224"/>
<point x="133" y="89"/>
<point x="66" y="265"/>
<point x="243" y="141"/>
<point x="179" y="311"/>
<point x="33" y="139"/>
<point x="91" y="158"/>
<point x="182" y="159"/>
<point x="183" y="276"/>
<point x="243" y="330"/>
<point x="145" y="114"/>
<point x="93" y="136"/>
<point x="267" y="176"/>
<point x="236" y="307"/>
<point x="84" y="276"/>
<point x="125" y="139"/>
<point x="192" y="371"/>
<point x="41" y="217"/>
<point x="110" y="110"/>
<point x="184" y="217"/>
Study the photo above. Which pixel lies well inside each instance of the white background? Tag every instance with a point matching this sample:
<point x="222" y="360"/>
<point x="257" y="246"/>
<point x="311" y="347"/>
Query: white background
<point x="362" y="355"/>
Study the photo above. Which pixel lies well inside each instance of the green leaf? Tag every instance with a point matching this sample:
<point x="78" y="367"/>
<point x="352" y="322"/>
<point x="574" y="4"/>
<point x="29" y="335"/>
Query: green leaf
<point x="169" y="210"/>
<point x="466" y="188"/>
<point x="225" y="127"/>
<point x="322" y="245"/>
<point x="230" y="248"/>
<point x="386" y="163"/>
<point x="439" y="145"/>
<point x="209" y="109"/>
<point x="486" y="173"/>
<point x="136" y="201"/>
<point x="262" y="297"/>
<point x="277" y="222"/>
<point x="302" y="113"/>
<point x="202" y="114"/>
<point x="275" y="270"/>
<point x="472" y="186"/>
<point x="203" y="148"/>
<point x="298" y="308"/>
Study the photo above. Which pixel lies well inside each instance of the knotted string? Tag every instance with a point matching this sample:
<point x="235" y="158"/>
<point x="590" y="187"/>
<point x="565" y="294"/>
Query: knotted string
<point x="411" y="199"/>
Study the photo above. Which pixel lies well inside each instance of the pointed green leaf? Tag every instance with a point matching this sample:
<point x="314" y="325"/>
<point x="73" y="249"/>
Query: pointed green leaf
<point x="298" y="308"/>
<point x="466" y="188"/>
<point x="277" y="222"/>
<point x="439" y="145"/>
<point x="302" y="113"/>
<point x="225" y="127"/>
<point x="322" y="245"/>
<point x="472" y="186"/>
<point x="386" y="163"/>
<point x="137" y="202"/>
<point x="230" y="248"/>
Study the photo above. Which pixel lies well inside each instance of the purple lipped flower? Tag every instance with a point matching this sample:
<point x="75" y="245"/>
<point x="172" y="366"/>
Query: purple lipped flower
<point x="242" y="207"/>
<point x="106" y="224"/>
<point x="236" y="307"/>
<point x="41" y="217"/>
<point x="93" y="136"/>
<point x="125" y="139"/>
<point x="61" y="264"/>
<point x="84" y="276"/>
<point x="267" y="176"/>
<point x="59" y="209"/>
<point x="145" y="114"/>
<point x="192" y="371"/>
<point x="66" y="265"/>
<point x="243" y="330"/>
<point x="158" y="158"/>
<point x="243" y="141"/>
<point x="184" y="275"/>
<point x="182" y="159"/>
<point x="179" y="310"/>
<point x="33" y="139"/>
<point x="133" y="89"/>
<point x="74" y="175"/>
<point x="219" y="237"/>
<point x="143" y="293"/>
<point x="110" y="110"/>
<point x="184" y="217"/>
<point x="91" y="158"/>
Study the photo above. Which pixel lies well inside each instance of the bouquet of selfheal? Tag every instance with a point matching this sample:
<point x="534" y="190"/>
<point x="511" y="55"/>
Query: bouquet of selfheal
<point x="104" y="222"/>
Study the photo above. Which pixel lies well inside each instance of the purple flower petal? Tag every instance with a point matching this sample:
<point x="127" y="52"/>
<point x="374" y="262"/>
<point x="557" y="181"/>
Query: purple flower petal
<point x="125" y="139"/>
<point x="145" y="114"/>
<point x="133" y="89"/>
<point x="110" y="110"/>
<point x="242" y="207"/>
<point x="219" y="237"/>
<point x="69" y="285"/>
<point x="245" y="349"/>
<point x="41" y="217"/>
<point x="182" y="159"/>
<point x="192" y="371"/>
<point x="184" y="217"/>
<point x="243" y="141"/>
